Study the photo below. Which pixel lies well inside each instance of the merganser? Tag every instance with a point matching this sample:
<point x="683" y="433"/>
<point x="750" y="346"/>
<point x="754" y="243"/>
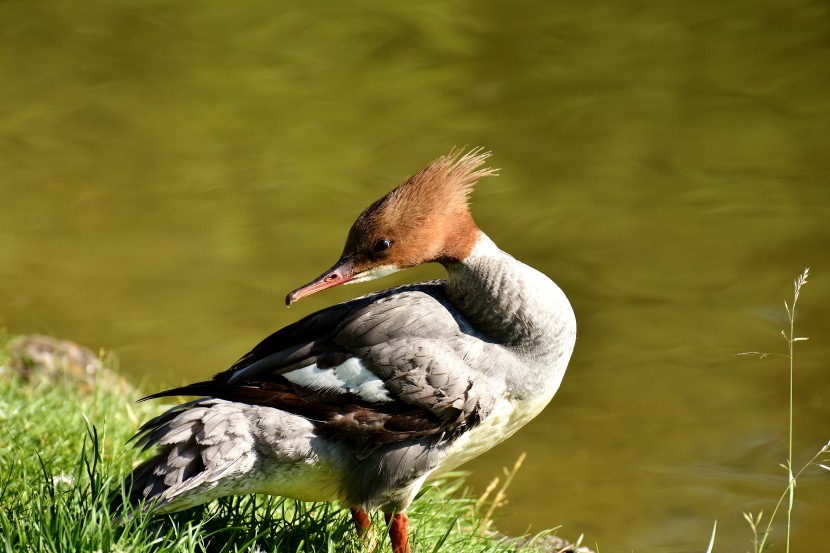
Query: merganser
<point x="363" y="401"/>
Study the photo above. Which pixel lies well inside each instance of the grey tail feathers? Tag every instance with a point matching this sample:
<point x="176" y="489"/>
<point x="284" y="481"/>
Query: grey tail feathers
<point x="197" y="447"/>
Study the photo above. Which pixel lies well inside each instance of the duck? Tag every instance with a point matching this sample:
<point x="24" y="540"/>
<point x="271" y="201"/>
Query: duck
<point x="364" y="401"/>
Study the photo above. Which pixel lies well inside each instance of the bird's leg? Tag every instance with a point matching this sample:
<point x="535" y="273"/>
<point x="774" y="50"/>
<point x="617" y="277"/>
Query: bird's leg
<point x="398" y="525"/>
<point x="363" y="525"/>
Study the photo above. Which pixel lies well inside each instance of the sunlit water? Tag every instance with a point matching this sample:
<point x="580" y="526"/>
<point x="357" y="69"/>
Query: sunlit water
<point x="169" y="171"/>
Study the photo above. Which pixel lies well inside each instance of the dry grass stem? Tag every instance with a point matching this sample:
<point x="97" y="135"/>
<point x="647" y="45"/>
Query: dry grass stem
<point x="500" y="499"/>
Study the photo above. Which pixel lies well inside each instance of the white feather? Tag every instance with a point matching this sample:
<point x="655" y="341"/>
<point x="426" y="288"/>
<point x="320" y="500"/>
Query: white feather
<point x="349" y="377"/>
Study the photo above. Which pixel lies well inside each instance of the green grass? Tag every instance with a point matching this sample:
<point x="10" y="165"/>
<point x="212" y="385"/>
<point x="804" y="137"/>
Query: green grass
<point x="62" y="453"/>
<point x="761" y="535"/>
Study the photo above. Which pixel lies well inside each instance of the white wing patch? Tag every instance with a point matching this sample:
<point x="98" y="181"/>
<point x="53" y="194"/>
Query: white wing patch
<point x="350" y="376"/>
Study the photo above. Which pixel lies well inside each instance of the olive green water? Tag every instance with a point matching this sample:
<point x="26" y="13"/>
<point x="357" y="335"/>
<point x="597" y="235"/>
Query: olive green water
<point x="169" y="170"/>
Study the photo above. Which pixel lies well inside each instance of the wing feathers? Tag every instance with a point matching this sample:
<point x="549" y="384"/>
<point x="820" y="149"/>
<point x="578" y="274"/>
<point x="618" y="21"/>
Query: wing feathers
<point x="370" y="371"/>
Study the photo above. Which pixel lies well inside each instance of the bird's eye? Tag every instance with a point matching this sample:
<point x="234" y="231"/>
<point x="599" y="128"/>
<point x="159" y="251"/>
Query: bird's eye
<point x="381" y="245"/>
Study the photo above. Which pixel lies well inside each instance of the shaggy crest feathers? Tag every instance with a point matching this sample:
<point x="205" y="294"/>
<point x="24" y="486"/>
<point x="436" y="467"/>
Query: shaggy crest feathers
<point x="444" y="186"/>
<point x="428" y="212"/>
<point x="450" y="178"/>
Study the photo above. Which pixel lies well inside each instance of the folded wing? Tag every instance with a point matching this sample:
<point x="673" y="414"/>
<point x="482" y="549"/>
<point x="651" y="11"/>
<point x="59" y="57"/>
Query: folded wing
<point x="381" y="369"/>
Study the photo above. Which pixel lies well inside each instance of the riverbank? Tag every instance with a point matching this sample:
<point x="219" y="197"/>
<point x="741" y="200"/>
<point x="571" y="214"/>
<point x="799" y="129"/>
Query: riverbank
<point x="67" y="414"/>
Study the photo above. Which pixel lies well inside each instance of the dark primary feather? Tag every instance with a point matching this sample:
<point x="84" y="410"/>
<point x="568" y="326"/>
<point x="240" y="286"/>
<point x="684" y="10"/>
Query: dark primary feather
<point x="424" y="368"/>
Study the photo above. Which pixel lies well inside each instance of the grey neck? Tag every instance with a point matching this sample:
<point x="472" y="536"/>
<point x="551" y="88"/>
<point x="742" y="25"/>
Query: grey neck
<point x="511" y="303"/>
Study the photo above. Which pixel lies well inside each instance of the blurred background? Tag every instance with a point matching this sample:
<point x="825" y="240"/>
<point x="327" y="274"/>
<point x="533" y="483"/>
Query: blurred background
<point x="170" y="170"/>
